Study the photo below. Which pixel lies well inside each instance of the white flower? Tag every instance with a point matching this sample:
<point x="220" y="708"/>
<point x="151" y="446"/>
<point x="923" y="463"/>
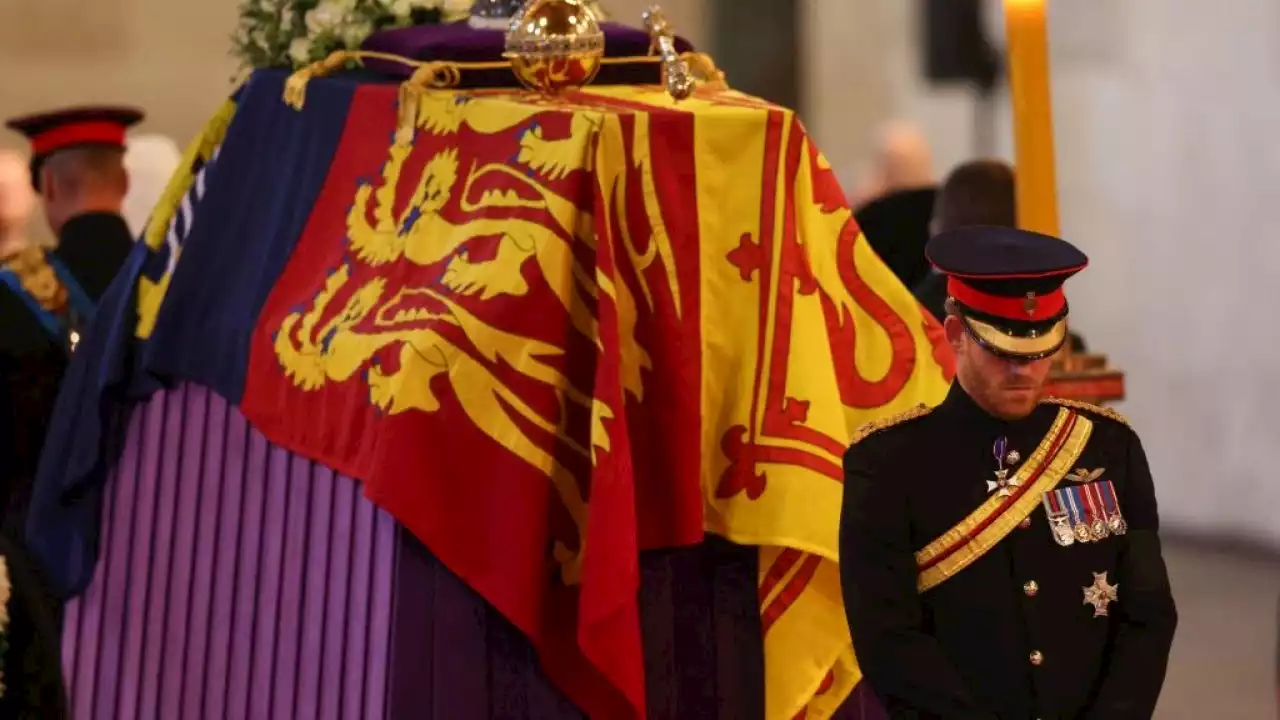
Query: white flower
<point x="257" y="37"/>
<point x="300" y="51"/>
<point x="302" y="31"/>
<point x="401" y="9"/>
<point x="322" y="19"/>
<point x="329" y="16"/>
<point x="355" y="32"/>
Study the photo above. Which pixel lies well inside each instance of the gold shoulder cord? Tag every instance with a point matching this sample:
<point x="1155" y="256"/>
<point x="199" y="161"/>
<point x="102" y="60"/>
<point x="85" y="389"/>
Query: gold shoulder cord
<point x="876" y="426"/>
<point x="38" y="278"/>
<point x="1090" y="408"/>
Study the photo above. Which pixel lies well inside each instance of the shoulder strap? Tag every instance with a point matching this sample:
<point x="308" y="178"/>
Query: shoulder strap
<point x="48" y="321"/>
<point x="80" y="307"/>
<point x="884" y="423"/>
<point x="81" y="304"/>
<point x="1105" y="412"/>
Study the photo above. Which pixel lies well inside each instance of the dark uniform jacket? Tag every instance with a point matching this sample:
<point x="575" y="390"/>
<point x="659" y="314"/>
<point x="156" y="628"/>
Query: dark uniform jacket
<point x="897" y="228"/>
<point x="30" y="660"/>
<point x="93" y="247"/>
<point x="1011" y="635"/>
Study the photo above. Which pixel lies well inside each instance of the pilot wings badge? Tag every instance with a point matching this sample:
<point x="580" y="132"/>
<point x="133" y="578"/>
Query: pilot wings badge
<point x="1084" y="475"/>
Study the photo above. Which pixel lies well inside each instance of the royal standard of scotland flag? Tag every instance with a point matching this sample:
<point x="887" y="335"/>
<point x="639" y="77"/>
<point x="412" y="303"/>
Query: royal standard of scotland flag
<point x="544" y="334"/>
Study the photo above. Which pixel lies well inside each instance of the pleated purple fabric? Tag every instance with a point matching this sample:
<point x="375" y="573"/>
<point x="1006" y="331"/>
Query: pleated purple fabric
<point x="239" y="581"/>
<point x="234" y="580"/>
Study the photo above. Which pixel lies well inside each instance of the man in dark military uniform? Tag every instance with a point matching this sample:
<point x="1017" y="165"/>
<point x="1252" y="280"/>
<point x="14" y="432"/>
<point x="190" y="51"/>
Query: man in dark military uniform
<point x="47" y="298"/>
<point x="999" y="554"/>
<point x="46" y="301"/>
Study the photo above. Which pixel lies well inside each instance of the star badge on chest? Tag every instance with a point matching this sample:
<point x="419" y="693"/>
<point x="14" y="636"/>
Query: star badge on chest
<point x="1003" y="485"/>
<point x="1101" y="594"/>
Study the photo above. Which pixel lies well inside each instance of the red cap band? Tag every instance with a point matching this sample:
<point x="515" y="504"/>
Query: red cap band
<point x="1030" y="309"/>
<point x="82" y="133"/>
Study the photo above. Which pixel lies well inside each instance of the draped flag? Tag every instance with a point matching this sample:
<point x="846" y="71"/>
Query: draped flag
<point x="546" y="335"/>
<point x="167" y="228"/>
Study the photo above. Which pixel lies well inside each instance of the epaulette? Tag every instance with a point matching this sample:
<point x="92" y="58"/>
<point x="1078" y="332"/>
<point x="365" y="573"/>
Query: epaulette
<point x="883" y="423"/>
<point x="1105" y="412"/>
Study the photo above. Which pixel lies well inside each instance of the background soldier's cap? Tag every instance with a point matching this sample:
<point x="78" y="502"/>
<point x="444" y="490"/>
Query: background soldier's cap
<point x="57" y="130"/>
<point x="1007" y="286"/>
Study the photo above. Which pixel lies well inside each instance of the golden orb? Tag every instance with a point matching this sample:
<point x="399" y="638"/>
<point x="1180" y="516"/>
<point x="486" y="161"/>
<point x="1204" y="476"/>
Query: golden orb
<point x="555" y="45"/>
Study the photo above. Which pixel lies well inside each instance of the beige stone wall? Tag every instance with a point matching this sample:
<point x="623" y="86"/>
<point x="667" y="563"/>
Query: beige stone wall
<point x="168" y="57"/>
<point x="687" y="16"/>
<point x="854" y="60"/>
<point x="1168" y="175"/>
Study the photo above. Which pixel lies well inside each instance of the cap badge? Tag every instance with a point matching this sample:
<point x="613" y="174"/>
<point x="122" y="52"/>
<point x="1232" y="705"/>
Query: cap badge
<point x="1029" y="304"/>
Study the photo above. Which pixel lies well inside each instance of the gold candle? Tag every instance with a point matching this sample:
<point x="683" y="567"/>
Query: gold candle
<point x="1031" y="96"/>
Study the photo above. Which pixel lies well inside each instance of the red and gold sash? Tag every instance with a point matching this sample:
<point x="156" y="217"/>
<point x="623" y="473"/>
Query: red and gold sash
<point x="960" y="546"/>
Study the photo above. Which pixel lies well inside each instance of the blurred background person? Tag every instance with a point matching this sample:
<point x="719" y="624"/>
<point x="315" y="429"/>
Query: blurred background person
<point x="32" y="678"/>
<point x="17" y="200"/>
<point x="893" y="203"/>
<point x="978" y="192"/>
<point x="48" y="297"/>
<point x="77" y="165"/>
<point x="902" y="160"/>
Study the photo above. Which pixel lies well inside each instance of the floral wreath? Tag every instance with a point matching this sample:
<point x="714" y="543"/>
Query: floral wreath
<point x="296" y="33"/>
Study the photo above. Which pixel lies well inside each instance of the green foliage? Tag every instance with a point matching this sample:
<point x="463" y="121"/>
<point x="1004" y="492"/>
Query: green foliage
<point x="296" y="33"/>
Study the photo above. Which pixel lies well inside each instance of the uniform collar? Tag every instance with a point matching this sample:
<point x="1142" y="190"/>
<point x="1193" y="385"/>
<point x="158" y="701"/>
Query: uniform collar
<point x="959" y="405"/>
<point x="94" y="222"/>
<point x="959" y="402"/>
<point x="962" y="405"/>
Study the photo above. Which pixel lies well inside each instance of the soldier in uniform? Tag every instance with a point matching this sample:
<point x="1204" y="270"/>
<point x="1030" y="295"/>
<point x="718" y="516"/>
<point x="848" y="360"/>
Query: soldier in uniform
<point x="47" y="298"/>
<point x="999" y="554"/>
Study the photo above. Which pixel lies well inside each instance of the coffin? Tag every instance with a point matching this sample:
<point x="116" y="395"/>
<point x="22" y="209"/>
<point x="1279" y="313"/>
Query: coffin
<point x="535" y="410"/>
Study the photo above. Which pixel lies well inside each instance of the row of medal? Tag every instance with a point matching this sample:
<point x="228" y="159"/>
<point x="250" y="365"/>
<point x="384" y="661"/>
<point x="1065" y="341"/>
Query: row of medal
<point x="1084" y="513"/>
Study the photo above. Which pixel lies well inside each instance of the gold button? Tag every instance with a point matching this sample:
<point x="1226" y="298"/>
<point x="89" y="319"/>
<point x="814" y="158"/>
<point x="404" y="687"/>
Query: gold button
<point x="1025" y="524"/>
<point x="1031" y="587"/>
<point x="1037" y="658"/>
